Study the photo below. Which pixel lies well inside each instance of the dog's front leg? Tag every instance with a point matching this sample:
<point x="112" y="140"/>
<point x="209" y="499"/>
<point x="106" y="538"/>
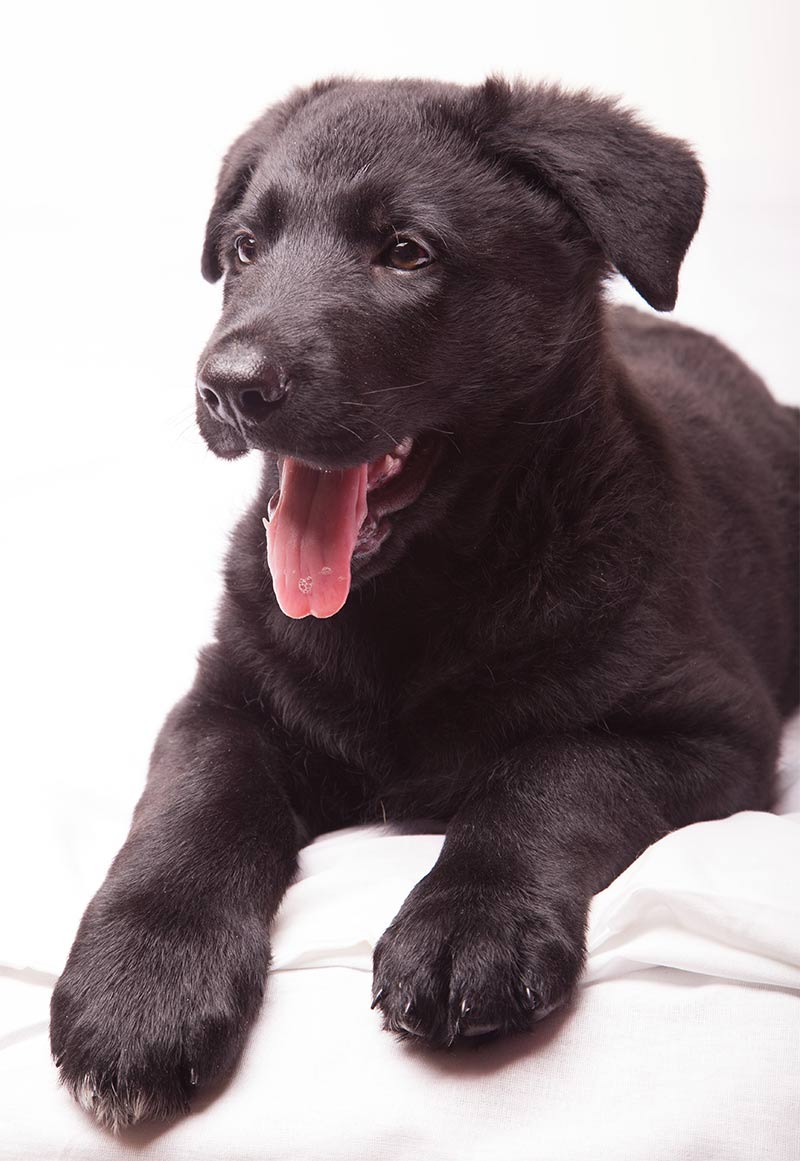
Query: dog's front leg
<point x="492" y="939"/>
<point x="168" y="967"/>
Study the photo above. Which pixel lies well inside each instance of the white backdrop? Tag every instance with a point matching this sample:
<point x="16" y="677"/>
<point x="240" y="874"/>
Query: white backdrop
<point x="114" y="516"/>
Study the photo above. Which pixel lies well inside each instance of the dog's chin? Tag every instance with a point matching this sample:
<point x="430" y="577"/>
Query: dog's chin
<point x="225" y="442"/>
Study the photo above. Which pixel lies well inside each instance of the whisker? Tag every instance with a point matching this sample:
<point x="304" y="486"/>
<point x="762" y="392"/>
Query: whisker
<point x="180" y="416"/>
<point x="346" y="428"/>
<point x="378" y="427"/>
<point x="559" y="419"/>
<point x="449" y="435"/>
<point x="402" y="387"/>
<point x="189" y="429"/>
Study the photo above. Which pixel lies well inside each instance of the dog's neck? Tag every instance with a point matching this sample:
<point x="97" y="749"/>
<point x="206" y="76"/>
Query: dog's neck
<point x="552" y="418"/>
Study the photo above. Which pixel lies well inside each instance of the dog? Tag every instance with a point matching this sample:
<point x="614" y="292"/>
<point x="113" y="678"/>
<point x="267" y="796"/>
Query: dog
<point x="529" y="570"/>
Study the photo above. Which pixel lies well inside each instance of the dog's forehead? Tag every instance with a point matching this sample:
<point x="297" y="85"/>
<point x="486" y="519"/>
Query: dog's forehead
<point x="366" y="156"/>
<point x="380" y="129"/>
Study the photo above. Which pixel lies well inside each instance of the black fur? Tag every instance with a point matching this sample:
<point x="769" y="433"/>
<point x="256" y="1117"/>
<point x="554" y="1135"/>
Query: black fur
<point x="581" y="635"/>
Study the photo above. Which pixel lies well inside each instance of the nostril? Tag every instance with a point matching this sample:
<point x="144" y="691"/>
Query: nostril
<point x="209" y="397"/>
<point x="255" y="403"/>
<point x="270" y="384"/>
<point x="251" y="401"/>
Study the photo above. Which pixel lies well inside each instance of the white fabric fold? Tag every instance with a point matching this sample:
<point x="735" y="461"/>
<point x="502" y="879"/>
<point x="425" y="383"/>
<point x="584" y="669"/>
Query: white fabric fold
<point x="718" y="898"/>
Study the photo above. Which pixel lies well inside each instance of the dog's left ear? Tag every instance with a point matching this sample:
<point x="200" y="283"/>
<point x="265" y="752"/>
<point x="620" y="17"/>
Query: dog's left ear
<point x="638" y="193"/>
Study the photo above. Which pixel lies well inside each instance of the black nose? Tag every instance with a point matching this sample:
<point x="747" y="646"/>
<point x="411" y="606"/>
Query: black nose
<point x="240" y="386"/>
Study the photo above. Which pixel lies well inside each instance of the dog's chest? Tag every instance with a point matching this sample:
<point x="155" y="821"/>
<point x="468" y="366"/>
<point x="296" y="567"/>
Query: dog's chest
<point x="408" y="702"/>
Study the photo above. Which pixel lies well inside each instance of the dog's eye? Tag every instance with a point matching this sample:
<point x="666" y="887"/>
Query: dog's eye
<point x="245" y="247"/>
<point x="405" y="254"/>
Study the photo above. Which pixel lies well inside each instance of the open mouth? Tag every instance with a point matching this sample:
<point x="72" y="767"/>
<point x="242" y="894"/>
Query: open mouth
<point x="320" y="521"/>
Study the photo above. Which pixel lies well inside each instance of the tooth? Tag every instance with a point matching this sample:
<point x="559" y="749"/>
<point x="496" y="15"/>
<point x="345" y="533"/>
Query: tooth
<point x="378" y="471"/>
<point x="273" y="504"/>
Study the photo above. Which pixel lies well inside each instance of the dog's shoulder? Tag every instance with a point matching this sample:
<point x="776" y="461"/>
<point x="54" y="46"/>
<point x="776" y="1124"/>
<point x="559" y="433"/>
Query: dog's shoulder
<point x="703" y="390"/>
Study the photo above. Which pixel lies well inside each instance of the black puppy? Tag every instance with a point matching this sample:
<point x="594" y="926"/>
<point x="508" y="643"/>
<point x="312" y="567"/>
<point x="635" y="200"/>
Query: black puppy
<point x="548" y="550"/>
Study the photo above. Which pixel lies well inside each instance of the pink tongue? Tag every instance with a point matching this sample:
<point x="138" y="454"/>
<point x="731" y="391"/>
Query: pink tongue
<point x="311" y="537"/>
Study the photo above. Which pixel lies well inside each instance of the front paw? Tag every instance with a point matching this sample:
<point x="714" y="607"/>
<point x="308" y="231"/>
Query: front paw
<point x="147" y="1009"/>
<point x="468" y="959"/>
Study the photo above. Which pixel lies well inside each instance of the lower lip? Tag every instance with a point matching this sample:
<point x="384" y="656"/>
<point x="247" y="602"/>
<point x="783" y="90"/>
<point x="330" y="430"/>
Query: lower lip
<point x="371" y="536"/>
<point x="419" y="463"/>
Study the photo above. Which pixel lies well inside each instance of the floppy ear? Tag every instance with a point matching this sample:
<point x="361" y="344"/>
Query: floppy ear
<point x="638" y="193"/>
<point x="240" y="163"/>
<point x="238" y="167"/>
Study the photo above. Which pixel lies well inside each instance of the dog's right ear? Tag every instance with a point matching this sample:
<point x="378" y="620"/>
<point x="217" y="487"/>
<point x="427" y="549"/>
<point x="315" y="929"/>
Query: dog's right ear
<point x="238" y="167"/>
<point x="240" y="163"/>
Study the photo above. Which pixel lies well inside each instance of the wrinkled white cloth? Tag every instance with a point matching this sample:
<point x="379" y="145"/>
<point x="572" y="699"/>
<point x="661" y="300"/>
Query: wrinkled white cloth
<point x="683" y="1043"/>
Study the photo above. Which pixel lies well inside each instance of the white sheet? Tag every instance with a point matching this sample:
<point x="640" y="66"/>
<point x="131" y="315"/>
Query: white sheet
<point x="683" y="1043"/>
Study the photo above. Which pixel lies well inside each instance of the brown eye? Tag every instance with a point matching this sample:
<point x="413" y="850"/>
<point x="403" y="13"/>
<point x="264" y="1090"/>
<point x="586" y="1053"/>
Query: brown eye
<point x="404" y="254"/>
<point x="245" y="247"/>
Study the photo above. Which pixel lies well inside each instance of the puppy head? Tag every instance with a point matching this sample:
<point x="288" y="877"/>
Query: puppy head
<point x="407" y="264"/>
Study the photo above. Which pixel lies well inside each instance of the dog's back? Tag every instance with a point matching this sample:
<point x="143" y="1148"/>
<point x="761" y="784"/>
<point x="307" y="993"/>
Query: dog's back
<point x="742" y="448"/>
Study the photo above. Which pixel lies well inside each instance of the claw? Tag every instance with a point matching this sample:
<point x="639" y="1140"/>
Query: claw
<point x="454" y="1035"/>
<point x="376" y="999"/>
<point x="192" y="1076"/>
<point x="474" y="1031"/>
<point x="464" y="1008"/>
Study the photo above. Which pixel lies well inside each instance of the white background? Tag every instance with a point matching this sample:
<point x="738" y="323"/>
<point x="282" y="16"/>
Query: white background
<point x="114" y="516"/>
